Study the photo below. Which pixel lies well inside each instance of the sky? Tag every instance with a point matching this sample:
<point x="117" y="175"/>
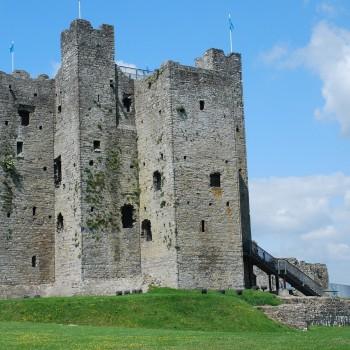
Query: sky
<point x="296" y="72"/>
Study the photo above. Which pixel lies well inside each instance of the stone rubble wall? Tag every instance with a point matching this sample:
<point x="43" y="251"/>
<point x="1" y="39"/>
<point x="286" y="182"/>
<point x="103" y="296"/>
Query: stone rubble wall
<point x="303" y="312"/>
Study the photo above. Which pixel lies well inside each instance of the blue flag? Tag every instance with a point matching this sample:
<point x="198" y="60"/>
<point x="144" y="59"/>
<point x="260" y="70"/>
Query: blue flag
<point x="12" y="47"/>
<point x="232" y="27"/>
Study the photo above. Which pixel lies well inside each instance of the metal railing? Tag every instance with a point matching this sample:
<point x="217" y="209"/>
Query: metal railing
<point x="281" y="268"/>
<point x="135" y="73"/>
<point x="286" y="268"/>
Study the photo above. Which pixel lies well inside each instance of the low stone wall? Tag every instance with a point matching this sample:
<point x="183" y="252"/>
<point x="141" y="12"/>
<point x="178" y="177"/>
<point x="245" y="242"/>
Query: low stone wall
<point x="302" y="312"/>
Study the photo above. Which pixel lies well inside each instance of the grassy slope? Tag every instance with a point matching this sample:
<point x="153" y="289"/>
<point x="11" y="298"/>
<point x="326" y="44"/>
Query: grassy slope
<point x="161" y="308"/>
<point x="20" y="336"/>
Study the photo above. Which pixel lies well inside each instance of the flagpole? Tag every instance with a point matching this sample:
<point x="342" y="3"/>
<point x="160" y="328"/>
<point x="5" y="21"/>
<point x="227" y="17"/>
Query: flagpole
<point x="13" y="56"/>
<point x="231" y="46"/>
<point x="79" y="7"/>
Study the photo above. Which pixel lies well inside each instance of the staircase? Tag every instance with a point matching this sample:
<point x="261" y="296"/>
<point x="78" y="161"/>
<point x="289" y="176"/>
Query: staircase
<point x="281" y="268"/>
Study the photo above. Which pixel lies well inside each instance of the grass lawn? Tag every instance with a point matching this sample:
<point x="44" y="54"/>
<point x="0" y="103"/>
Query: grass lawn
<point x="37" y="336"/>
<point x="161" y="319"/>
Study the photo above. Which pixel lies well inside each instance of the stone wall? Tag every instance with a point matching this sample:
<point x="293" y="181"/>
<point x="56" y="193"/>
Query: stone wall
<point x="209" y="234"/>
<point x="26" y="179"/>
<point x="310" y="311"/>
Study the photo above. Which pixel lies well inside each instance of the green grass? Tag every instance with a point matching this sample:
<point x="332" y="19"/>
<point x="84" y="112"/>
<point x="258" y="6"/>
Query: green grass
<point x="257" y="298"/>
<point x="159" y="309"/>
<point x="29" y="336"/>
<point x="161" y="319"/>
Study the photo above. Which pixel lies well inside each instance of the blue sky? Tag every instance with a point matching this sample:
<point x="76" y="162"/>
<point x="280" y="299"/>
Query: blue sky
<point x="296" y="57"/>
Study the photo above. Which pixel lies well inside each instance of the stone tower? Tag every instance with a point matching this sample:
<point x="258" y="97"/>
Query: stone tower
<point x="110" y="183"/>
<point x="191" y="137"/>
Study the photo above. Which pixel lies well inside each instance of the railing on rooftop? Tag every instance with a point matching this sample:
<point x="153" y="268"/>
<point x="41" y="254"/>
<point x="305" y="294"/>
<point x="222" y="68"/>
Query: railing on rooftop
<point x="135" y="73"/>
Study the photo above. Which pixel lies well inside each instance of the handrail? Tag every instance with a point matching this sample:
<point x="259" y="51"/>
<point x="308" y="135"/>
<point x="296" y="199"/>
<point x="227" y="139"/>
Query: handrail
<point x="135" y="73"/>
<point x="282" y="267"/>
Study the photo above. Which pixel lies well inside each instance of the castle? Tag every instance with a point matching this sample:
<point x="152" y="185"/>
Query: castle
<point x="109" y="182"/>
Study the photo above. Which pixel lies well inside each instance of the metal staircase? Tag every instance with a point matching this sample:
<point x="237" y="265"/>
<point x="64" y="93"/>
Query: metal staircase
<point x="281" y="268"/>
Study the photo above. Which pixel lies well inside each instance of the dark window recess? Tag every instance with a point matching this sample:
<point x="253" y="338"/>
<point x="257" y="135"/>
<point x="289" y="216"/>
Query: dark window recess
<point x="19" y="147"/>
<point x="24" y="117"/>
<point x="127" y="216"/>
<point x="203" y="226"/>
<point x="45" y="168"/>
<point x="237" y="129"/>
<point x="127" y="102"/>
<point x="157" y="181"/>
<point x="97" y="146"/>
<point x="227" y="204"/>
<point x="8" y="215"/>
<point x="215" y="180"/>
<point x="91" y="163"/>
<point x="57" y="165"/>
<point x="34" y="261"/>
<point x="60" y="224"/>
<point x="146" y="230"/>
<point x="201" y="105"/>
<point x="6" y="122"/>
<point x="40" y="127"/>
<point x="34" y="211"/>
<point x="59" y="109"/>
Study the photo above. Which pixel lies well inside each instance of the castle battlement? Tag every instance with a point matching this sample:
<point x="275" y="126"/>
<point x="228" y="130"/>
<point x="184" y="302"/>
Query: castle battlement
<point x="109" y="183"/>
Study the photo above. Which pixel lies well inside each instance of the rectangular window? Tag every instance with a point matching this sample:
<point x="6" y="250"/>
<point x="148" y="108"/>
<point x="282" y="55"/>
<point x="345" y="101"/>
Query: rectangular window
<point x="97" y="146"/>
<point x="58" y="171"/>
<point x="24" y="117"/>
<point x="215" y="180"/>
<point x="19" y="148"/>
<point x="203" y="226"/>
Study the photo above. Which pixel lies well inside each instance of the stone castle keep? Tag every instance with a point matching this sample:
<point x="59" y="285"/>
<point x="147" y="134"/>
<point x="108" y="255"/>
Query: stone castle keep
<point x="109" y="183"/>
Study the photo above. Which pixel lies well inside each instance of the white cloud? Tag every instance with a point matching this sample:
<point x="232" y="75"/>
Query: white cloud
<point x="276" y="53"/>
<point x="328" y="55"/>
<point x="305" y="217"/>
<point x="321" y="233"/>
<point x="326" y="8"/>
<point x="55" y="66"/>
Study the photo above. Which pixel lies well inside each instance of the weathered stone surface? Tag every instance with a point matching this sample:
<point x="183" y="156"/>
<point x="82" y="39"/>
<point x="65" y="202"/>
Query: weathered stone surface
<point x="302" y="312"/>
<point x="95" y="144"/>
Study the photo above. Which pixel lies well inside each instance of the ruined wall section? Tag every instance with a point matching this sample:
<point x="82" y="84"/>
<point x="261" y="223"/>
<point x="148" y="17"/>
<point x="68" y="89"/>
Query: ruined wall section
<point x="216" y="60"/>
<point x="26" y="181"/>
<point x="107" y="163"/>
<point x="154" y="125"/>
<point x="208" y="216"/>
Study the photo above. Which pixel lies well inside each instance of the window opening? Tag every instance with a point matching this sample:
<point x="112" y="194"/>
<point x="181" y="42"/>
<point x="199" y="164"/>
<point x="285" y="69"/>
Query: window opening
<point x="203" y="226"/>
<point x="19" y="148"/>
<point x="60" y="224"/>
<point x="58" y="171"/>
<point x="201" y="105"/>
<point x="215" y="180"/>
<point x="157" y="181"/>
<point x="97" y="146"/>
<point x="127" y="102"/>
<point x="24" y="117"/>
<point x="34" y="261"/>
<point x="127" y="216"/>
<point x="146" y="230"/>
